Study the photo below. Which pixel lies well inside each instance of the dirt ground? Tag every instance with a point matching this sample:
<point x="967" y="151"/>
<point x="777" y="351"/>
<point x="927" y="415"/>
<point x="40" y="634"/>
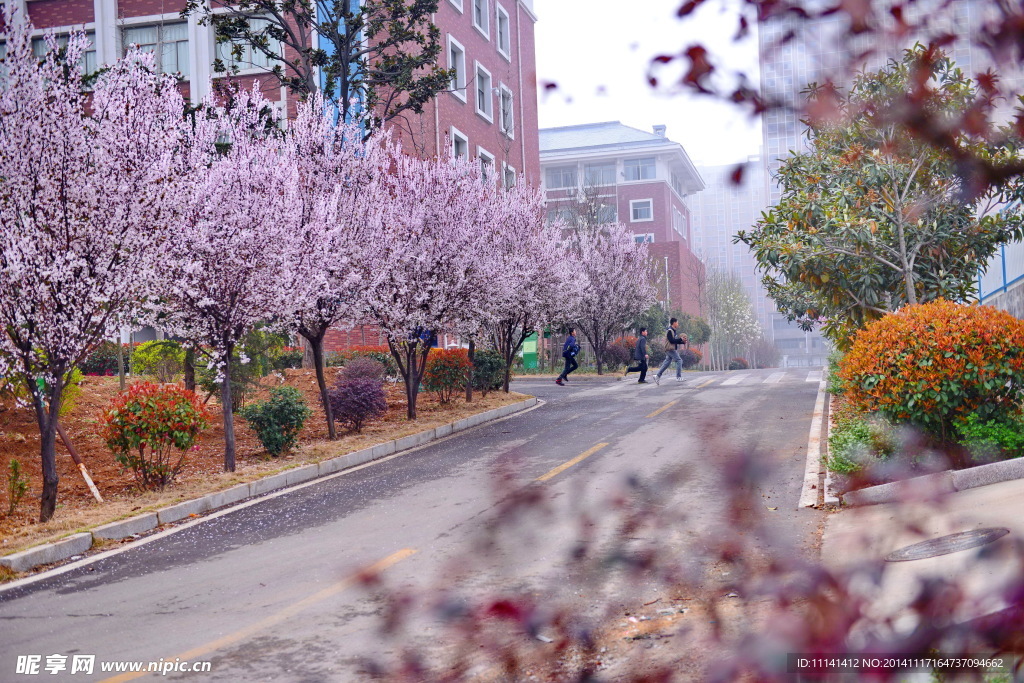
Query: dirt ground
<point x="204" y="469"/>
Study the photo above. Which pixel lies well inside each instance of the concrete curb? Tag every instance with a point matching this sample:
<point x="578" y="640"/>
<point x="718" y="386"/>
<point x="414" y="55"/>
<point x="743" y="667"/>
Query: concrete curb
<point x="77" y="544"/>
<point x="949" y="481"/>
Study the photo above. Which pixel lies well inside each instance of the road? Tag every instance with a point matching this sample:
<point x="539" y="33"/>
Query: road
<point x="270" y="591"/>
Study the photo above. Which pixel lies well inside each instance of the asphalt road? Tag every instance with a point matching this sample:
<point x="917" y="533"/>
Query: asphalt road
<point x="270" y="591"/>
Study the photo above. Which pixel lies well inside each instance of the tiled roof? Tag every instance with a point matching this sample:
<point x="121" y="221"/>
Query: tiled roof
<point x="595" y="135"/>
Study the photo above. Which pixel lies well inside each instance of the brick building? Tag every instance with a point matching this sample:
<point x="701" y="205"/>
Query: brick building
<point x="490" y="113"/>
<point x="641" y="179"/>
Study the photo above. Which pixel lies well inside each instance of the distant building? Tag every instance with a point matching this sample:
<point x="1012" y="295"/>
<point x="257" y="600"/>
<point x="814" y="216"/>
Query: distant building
<point x="641" y="179"/>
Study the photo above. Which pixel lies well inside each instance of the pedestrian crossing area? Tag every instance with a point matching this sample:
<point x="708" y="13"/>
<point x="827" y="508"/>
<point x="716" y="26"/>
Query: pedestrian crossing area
<point x="731" y="379"/>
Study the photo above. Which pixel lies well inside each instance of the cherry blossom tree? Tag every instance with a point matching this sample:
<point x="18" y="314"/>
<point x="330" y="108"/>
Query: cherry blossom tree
<point x="340" y="198"/>
<point x="610" y="283"/>
<point x="530" y="273"/>
<point x="432" y="258"/>
<point x="230" y="266"/>
<point x="87" y="197"/>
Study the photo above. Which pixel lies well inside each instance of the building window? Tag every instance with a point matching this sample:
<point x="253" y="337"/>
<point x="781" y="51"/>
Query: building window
<point x="239" y="55"/>
<point x="460" y="144"/>
<point x="598" y="175"/>
<point x="482" y="17"/>
<point x="640" y="169"/>
<point x="484" y="96"/>
<point x="504" y="29"/>
<point x="486" y="162"/>
<point x="168" y="42"/>
<point x="508" y="175"/>
<point x="457" y="61"/>
<point x="644" y="238"/>
<point x="457" y="4"/>
<point x="560" y="177"/>
<point x="640" y="210"/>
<point x="560" y="214"/>
<point x="86" y="66"/>
<point x="506" y="122"/>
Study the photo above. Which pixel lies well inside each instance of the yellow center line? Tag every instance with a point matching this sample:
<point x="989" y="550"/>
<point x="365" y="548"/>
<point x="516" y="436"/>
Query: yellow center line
<point x="704" y="384"/>
<point x="662" y="409"/>
<point x="277" y="617"/>
<point x="566" y="465"/>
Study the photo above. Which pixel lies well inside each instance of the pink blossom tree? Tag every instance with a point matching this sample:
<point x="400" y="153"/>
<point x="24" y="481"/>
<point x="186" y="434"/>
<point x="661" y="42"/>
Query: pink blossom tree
<point x="340" y="198"/>
<point x="432" y="258"/>
<point x="230" y="266"/>
<point x="88" y="194"/>
<point x="530" y="273"/>
<point x="611" y="282"/>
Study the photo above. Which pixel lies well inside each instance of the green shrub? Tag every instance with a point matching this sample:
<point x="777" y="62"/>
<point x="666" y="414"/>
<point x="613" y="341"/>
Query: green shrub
<point x="934" y="364"/>
<point x="690" y="357"/>
<point x="103" y="359"/>
<point x="17" y="485"/>
<point x="278" y="420"/>
<point x="488" y="370"/>
<point x="857" y="443"/>
<point x="163" y="360"/>
<point x="146" y="424"/>
<point x="286" y="358"/>
<point x="834" y="383"/>
<point x="446" y="372"/>
<point x="992" y="440"/>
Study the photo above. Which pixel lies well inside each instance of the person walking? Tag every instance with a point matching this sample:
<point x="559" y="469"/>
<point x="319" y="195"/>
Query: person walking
<point x="640" y="356"/>
<point x="569" y="351"/>
<point x="672" y="342"/>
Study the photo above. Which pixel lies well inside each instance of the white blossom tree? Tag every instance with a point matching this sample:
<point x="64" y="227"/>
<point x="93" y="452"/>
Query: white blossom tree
<point x="231" y="264"/>
<point x="87" y="197"/>
<point x="340" y="197"/>
<point x="530" y="271"/>
<point x="734" y="325"/>
<point x="431" y="259"/>
<point x="610" y="283"/>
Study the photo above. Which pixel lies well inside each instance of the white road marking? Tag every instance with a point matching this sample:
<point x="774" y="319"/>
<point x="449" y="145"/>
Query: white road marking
<point x="735" y="380"/>
<point x="774" y="378"/>
<point x="814" y="376"/>
<point x="812" y="470"/>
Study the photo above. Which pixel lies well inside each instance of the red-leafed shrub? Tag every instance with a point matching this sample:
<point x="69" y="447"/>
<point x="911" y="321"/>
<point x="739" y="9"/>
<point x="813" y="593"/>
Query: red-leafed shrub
<point x="446" y="373"/>
<point x="620" y="351"/>
<point x="739" y="364"/>
<point x="150" y="428"/>
<point x="690" y="357"/>
<point x="358" y="400"/>
<point x="381" y="354"/>
<point x="934" y="364"/>
<point x="364" y="367"/>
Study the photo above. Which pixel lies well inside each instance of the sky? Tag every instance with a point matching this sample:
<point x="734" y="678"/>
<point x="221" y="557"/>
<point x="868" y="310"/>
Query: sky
<point x="598" y="53"/>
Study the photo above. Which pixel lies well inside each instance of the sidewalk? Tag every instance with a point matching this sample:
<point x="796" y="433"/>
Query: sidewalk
<point x="869" y="533"/>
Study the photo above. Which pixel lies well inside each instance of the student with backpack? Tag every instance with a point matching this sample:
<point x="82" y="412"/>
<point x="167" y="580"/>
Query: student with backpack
<point x="672" y="342"/>
<point x="569" y="351"/>
<point x="640" y="356"/>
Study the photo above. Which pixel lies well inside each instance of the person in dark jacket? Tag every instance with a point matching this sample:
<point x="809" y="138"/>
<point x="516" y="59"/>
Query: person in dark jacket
<point x="640" y="356"/>
<point x="569" y="351"/>
<point x="672" y="343"/>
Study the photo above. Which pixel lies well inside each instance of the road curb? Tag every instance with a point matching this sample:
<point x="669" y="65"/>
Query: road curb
<point x="949" y="481"/>
<point x="64" y="549"/>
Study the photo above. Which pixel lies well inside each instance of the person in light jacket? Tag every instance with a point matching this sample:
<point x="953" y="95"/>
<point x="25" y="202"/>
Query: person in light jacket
<point x="672" y="343"/>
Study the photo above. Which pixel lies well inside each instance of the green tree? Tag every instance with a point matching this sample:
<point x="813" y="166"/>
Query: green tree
<point x="378" y="59"/>
<point x="734" y="325"/>
<point x="871" y="218"/>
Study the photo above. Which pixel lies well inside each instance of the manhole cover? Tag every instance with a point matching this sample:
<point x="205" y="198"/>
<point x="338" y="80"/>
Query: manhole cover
<point x="944" y="545"/>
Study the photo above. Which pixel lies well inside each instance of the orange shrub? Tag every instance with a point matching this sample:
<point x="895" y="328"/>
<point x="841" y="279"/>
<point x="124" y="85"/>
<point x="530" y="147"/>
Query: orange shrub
<point x="934" y="364"/>
<point x="447" y="372"/>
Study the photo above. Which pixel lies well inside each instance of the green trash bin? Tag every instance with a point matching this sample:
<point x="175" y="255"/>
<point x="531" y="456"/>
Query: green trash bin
<point x="529" y="352"/>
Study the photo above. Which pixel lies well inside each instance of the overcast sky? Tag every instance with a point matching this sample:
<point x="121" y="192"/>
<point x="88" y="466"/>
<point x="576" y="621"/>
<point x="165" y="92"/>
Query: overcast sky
<point x="598" y="52"/>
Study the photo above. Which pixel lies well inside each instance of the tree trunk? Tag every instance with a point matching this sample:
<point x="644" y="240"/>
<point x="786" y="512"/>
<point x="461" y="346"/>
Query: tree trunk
<point x="120" y="362"/>
<point x="190" y="369"/>
<point x="227" y="412"/>
<point x="316" y="344"/>
<point x="308" y="360"/>
<point x="47" y="419"/>
<point x="469" y="379"/>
